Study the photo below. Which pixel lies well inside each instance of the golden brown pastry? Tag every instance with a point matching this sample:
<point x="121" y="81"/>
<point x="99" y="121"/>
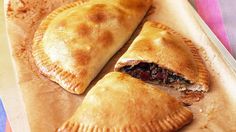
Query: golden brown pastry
<point x="74" y="42"/>
<point x="119" y="102"/>
<point x="160" y="55"/>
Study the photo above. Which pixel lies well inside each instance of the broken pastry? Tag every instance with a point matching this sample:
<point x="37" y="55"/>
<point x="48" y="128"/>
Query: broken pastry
<point x="161" y="56"/>
<point x="75" y="41"/>
<point x="119" y="102"/>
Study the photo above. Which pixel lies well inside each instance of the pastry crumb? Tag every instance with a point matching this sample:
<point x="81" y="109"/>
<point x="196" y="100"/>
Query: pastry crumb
<point x="189" y="97"/>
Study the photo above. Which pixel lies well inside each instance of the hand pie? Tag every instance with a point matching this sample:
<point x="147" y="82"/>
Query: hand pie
<point x="159" y="55"/>
<point x="119" y="102"/>
<point x="74" y="42"/>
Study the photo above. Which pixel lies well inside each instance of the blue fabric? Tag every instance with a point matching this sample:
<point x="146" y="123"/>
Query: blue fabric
<point x="2" y="118"/>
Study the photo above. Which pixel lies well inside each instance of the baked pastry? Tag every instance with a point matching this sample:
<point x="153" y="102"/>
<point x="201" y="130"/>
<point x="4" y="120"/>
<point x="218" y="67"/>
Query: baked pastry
<point x="74" y="42"/>
<point x="160" y="55"/>
<point x="119" y="102"/>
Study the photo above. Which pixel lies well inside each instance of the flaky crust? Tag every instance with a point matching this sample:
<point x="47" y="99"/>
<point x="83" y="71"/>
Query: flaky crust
<point x="75" y="41"/>
<point x="161" y="45"/>
<point x="119" y="102"/>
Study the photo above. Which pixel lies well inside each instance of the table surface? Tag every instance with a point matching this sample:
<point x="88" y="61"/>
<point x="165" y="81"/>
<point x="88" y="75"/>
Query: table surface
<point x="8" y="86"/>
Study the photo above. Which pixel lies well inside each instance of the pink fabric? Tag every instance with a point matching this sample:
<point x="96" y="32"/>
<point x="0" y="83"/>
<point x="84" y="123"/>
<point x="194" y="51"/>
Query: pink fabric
<point x="8" y="127"/>
<point x="210" y="12"/>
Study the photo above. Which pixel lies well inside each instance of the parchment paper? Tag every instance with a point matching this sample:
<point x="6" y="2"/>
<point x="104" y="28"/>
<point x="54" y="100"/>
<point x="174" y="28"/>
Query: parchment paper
<point x="48" y="105"/>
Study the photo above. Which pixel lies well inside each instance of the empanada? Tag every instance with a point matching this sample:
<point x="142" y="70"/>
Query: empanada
<point x="162" y="56"/>
<point x="74" y="42"/>
<point x="119" y="102"/>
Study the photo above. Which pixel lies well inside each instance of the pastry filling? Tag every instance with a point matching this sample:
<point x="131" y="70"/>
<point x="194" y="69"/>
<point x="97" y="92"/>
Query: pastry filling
<point x="151" y="72"/>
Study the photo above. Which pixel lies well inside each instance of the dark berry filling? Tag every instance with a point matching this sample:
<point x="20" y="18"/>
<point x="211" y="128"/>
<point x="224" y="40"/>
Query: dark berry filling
<point x="153" y="73"/>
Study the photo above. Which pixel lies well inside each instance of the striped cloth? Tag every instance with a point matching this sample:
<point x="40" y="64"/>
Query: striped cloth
<point x="4" y="124"/>
<point x="220" y="16"/>
<point x="2" y="117"/>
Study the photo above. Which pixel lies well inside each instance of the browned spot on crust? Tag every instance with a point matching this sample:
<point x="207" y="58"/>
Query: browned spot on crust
<point x="97" y="14"/>
<point x="81" y="57"/>
<point x="172" y="43"/>
<point x="101" y="6"/>
<point x="83" y="30"/>
<point x="83" y="73"/>
<point x="122" y="18"/>
<point x="62" y="23"/>
<point x="139" y="46"/>
<point x="105" y="38"/>
<point x="134" y="4"/>
<point x="122" y="76"/>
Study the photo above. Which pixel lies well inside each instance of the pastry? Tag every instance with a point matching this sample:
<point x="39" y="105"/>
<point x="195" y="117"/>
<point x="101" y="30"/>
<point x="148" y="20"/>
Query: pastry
<point x="74" y="42"/>
<point x="161" y="56"/>
<point x="119" y="102"/>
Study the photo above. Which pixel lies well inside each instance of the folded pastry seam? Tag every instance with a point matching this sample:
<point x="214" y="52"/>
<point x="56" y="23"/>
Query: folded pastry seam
<point x="109" y="107"/>
<point x="42" y="61"/>
<point x="172" y="122"/>
<point x="68" y="53"/>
